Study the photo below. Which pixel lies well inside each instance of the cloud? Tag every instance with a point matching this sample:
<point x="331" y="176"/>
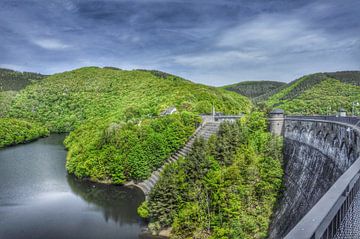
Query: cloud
<point x="270" y="39"/>
<point x="213" y="42"/>
<point x="219" y="59"/>
<point x="50" y="44"/>
<point x="282" y="34"/>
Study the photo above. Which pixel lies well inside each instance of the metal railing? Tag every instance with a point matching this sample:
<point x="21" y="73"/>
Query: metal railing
<point x="343" y="204"/>
<point x="352" y="120"/>
<point x="324" y="218"/>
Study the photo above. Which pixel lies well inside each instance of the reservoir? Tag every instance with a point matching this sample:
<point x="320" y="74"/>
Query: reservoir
<point x="38" y="199"/>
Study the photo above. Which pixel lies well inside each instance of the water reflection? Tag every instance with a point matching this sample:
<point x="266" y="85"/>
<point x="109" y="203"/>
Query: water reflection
<point x="39" y="200"/>
<point x="116" y="203"/>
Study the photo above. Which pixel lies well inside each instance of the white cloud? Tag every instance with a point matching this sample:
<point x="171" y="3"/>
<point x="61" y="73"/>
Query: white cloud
<point x="220" y="58"/>
<point x="267" y="39"/>
<point x="50" y="44"/>
<point x="274" y="34"/>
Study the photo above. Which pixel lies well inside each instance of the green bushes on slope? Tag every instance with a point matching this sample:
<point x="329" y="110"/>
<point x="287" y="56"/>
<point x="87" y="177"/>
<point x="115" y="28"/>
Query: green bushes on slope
<point x="127" y="151"/>
<point x="254" y="89"/>
<point x="6" y="98"/>
<point x="104" y="106"/>
<point x="225" y="188"/>
<point x="14" y="131"/>
<point x="325" y="98"/>
<point x="11" y="82"/>
<point x="64" y="101"/>
<point x="14" y="80"/>
<point x="321" y="93"/>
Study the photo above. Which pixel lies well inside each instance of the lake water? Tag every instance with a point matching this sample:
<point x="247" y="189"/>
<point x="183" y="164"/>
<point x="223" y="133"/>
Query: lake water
<point x="39" y="200"/>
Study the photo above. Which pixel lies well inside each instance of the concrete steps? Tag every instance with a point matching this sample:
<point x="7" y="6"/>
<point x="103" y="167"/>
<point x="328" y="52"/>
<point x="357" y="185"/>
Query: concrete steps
<point x="204" y="131"/>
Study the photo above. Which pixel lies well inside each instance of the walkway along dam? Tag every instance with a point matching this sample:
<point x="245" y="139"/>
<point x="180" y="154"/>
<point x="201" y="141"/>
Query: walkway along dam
<point x="321" y="196"/>
<point x="321" y="158"/>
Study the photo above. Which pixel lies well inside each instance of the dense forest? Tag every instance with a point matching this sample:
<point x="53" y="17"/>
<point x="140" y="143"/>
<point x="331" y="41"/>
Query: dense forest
<point x="64" y="101"/>
<point x="14" y="131"/>
<point x="114" y="115"/>
<point x="254" y="89"/>
<point x="14" y="80"/>
<point x="224" y="188"/>
<point x="128" y="151"/>
<point x="10" y="83"/>
<point x="320" y="93"/>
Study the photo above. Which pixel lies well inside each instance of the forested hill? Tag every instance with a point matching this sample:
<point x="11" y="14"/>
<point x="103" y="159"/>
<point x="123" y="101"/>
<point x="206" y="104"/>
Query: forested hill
<point x="118" y="133"/>
<point x="63" y="101"/>
<point x="254" y="89"/>
<point x="320" y="93"/>
<point x="11" y="80"/>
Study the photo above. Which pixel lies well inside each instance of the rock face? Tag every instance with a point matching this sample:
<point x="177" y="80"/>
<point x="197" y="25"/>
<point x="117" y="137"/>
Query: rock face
<point x="316" y="154"/>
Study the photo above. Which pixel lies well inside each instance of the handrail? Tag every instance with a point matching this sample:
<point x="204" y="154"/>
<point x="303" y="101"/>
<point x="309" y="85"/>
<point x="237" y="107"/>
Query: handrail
<point x="352" y="120"/>
<point x="324" y="218"/>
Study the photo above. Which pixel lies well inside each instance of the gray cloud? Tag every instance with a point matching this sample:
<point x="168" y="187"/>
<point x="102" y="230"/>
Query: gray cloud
<point x="212" y="42"/>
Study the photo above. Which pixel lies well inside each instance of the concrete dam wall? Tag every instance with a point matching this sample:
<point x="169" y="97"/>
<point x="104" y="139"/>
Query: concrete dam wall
<point x="316" y="154"/>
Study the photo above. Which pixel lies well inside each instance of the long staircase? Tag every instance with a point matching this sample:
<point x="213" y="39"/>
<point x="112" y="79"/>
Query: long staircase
<point x="204" y="131"/>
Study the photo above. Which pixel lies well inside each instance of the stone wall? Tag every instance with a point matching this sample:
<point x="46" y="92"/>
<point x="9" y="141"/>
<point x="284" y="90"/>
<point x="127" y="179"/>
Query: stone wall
<point x="315" y="155"/>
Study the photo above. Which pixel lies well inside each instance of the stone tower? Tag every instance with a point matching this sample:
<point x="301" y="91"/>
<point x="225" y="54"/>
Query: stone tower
<point x="276" y="121"/>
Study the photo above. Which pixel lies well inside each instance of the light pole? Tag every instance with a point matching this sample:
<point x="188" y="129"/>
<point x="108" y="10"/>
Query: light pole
<point x="354" y="103"/>
<point x="329" y="110"/>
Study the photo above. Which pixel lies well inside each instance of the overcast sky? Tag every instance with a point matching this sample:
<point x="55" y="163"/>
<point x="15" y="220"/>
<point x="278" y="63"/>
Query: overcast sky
<point x="215" y="42"/>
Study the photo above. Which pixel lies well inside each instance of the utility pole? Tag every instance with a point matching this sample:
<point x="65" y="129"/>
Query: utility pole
<point x="213" y="112"/>
<point x="354" y="103"/>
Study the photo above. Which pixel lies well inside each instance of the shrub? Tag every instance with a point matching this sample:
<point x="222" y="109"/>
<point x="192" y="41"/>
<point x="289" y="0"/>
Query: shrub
<point x="14" y="131"/>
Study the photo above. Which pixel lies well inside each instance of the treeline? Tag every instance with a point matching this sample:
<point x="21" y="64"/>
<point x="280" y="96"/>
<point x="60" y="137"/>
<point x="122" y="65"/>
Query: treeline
<point x="14" y="131"/>
<point x="14" y="80"/>
<point x="117" y="134"/>
<point x="224" y="188"/>
<point x="299" y="86"/>
<point x="254" y="89"/>
<point x="350" y="77"/>
<point x="64" y="101"/>
<point x="320" y="93"/>
<point x="127" y="151"/>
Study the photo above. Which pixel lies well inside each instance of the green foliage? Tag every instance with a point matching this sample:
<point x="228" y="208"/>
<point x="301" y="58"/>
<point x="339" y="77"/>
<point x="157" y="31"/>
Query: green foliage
<point x="225" y="188"/>
<point x="143" y="210"/>
<point x="14" y="131"/>
<point x="113" y="115"/>
<point x="324" y="98"/>
<point x="350" y="77"/>
<point x="13" y="80"/>
<point x="65" y="101"/>
<point x="254" y="89"/>
<point x="6" y="98"/>
<point x="321" y="93"/>
<point x="120" y="152"/>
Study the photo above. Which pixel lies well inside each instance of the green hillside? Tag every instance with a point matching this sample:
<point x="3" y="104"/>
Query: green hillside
<point x="118" y="134"/>
<point x="14" y="80"/>
<point x="254" y="89"/>
<point x="63" y="101"/>
<point x="14" y="131"/>
<point x="217" y="193"/>
<point x="10" y="83"/>
<point x="320" y="93"/>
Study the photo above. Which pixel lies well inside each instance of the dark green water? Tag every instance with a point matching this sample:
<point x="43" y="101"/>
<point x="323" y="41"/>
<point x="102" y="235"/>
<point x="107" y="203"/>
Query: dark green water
<point x="39" y="200"/>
